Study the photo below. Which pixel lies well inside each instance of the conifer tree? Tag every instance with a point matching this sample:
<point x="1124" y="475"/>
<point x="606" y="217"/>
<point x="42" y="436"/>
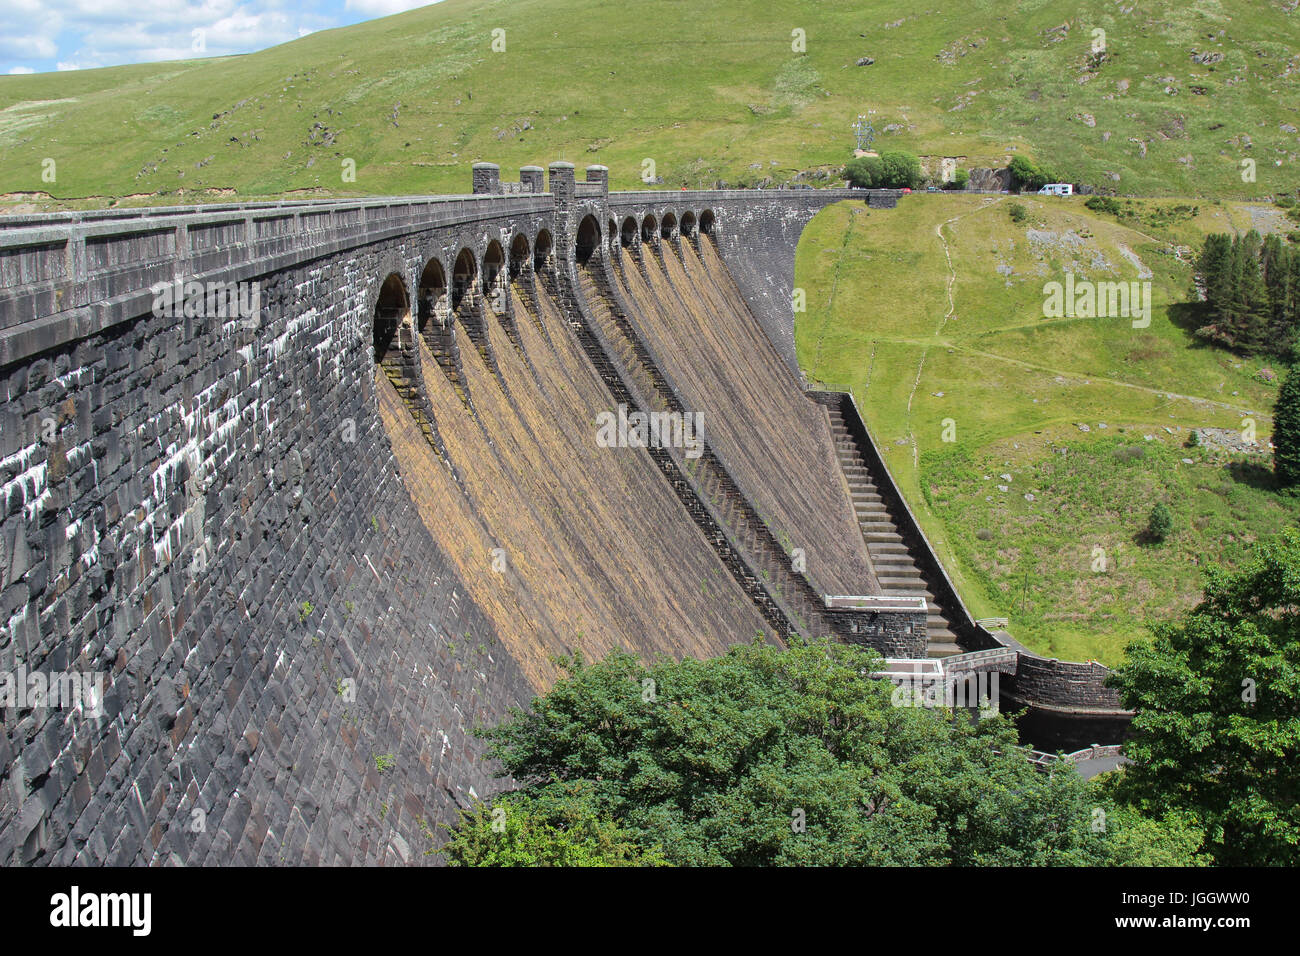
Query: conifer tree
<point x="1286" y="429"/>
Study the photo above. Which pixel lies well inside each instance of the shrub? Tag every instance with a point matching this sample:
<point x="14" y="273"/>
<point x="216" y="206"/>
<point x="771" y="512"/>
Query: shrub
<point x="1106" y="204"/>
<point x="1017" y="212"/>
<point x="1160" y="523"/>
<point x="960" y="179"/>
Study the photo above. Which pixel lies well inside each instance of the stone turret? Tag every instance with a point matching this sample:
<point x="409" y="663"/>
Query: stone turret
<point x="487" y="178"/>
<point x="532" y="179"/>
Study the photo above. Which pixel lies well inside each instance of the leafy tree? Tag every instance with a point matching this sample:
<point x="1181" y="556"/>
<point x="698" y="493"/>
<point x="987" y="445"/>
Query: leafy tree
<point x="1160" y="523"/>
<point x="960" y="179"/>
<point x="794" y="757"/>
<point x="866" y="172"/>
<point x="1217" y="695"/>
<point x="901" y="169"/>
<point x="556" y="829"/>
<point x="1286" y="429"/>
<point x="1027" y="175"/>
<point x="892" y="170"/>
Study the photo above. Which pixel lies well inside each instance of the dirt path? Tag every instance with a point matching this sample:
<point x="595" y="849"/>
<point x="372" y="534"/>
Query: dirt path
<point x="830" y="302"/>
<point x="952" y="308"/>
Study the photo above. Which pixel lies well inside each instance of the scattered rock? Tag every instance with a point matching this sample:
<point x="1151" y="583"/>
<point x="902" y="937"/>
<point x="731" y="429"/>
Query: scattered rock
<point x="1084" y="428"/>
<point x="865" y="61"/>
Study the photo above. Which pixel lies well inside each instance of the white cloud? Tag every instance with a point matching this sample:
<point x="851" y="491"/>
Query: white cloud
<point x="92" y="33"/>
<point x="384" y="8"/>
<point x="17" y="70"/>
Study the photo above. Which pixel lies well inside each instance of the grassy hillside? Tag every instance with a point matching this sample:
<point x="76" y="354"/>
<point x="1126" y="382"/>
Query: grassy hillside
<point x="708" y="91"/>
<point x="1023" y="496"/>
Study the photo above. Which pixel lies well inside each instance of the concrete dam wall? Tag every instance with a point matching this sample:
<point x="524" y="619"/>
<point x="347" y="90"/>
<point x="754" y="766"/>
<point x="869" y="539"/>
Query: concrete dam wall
<point x="299" y="494"/>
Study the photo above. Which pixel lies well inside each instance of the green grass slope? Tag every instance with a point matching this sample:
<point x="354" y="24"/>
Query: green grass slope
<point x="706" y="90"/>
<point x="1022" y="499"/>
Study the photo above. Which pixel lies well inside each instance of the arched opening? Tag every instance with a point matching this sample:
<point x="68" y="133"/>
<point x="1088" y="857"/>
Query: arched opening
<point x="588" y="240"/>
<point x="518" y="256"/>
<point x="669" y="227"/>
<point x="706" y="222"/>
<point x="432" y="299"/>
<point x="649" y="227"/>
<point x="688" y="225"/>
<point x="612" y="233"/>
<point x="494" y="276"/>
<point x="462" y="278"/>
<point x="629" y="233"/>
<point x="542" y="250"/>
<point x="392" y="310"/>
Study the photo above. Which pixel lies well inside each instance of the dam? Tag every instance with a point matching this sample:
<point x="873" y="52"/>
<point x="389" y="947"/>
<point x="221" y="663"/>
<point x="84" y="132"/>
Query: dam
<point x="312" y="539"/>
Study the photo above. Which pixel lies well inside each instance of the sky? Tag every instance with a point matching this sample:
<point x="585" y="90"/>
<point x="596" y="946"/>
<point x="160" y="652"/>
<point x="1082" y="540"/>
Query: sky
<point x="44" y="35"/>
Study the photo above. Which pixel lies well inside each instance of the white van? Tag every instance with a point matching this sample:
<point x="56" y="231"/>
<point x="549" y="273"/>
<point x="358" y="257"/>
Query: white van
<point x="1057" y="189"/>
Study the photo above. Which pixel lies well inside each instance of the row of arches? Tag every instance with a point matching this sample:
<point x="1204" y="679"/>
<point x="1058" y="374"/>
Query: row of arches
<point x="439" y="296"/>
<point x="649" y="228"/>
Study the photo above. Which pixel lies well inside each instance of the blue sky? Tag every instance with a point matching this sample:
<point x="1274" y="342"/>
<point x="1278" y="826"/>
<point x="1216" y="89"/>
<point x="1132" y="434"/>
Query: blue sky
<point x="44" y="35"/>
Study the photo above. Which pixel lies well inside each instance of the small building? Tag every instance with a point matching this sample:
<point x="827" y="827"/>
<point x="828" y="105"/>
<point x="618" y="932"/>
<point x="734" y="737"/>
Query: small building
<point x="1057" y="189"/>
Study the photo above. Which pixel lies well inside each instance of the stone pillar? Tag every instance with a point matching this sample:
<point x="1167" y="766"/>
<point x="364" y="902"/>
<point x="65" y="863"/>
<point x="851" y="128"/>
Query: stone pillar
<point x="532" y="179"/>
<point x="599" y="174"/>
<point x="562" y="183"/>
<point x="487" y="178"/>
<point x="564" y="189"/>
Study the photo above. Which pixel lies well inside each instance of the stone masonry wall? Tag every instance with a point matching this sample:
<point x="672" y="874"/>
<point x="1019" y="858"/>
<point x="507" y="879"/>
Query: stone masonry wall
<point x="209" y="516"/>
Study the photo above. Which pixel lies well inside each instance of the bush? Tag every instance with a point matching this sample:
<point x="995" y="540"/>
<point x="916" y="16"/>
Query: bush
<point x="1105" y="204"/>
<point x="960" y="179"/>
<point x="1160" y="523"/>
<point x="1017" y="212"/>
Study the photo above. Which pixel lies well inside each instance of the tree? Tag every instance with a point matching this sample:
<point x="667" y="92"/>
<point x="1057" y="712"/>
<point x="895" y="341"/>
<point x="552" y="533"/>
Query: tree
<point x="960" y="179"/>
<point x="901" y="170"/>
<point x="1160" y="523"/>
<point x="560" y="829"/>
<point x="892" y="170"/>
<point x="1286" y="429"/>
<point x="1217" y="698"/>
<point x="865" y="172"/>
<point x="1026" y="175"/>
<point x="767" y="756"/>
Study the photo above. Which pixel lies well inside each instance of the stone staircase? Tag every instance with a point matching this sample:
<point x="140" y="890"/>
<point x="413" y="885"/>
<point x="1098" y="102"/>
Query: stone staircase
<point x="895" y="564"/>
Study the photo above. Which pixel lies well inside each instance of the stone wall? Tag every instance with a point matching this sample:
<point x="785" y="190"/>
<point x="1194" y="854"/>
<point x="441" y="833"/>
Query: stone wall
<point x="207" y="514"/>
